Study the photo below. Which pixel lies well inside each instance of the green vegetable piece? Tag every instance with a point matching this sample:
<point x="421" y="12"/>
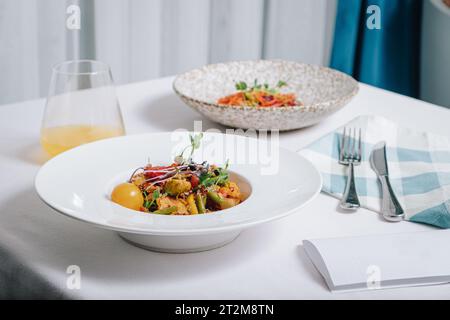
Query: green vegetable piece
<point x="147" y="204"/>
<point x="214" y="197"/>
<point x="223" y="203"/>
<point x="168" y="210"/>
<point x="200" y="202"/>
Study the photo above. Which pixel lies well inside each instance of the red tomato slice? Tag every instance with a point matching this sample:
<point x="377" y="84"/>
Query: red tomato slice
<point x="194" y="181"/>
<point x="156" y="171"/>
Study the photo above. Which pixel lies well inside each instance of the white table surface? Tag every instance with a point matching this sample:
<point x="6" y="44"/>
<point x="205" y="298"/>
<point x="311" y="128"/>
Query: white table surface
<point x="266" y="262"/>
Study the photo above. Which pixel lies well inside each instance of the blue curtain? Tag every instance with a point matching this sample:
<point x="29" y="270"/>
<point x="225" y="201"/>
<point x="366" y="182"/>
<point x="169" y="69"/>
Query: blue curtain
<point x="388" y="57"/>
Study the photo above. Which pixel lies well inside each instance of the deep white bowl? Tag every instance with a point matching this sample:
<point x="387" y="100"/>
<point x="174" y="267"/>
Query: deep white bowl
<point x="78" y="183"/>
<point x="322" y="91"/>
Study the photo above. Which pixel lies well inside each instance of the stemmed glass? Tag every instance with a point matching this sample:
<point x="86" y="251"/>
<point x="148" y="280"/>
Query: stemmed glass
<point x="82" y="106"/>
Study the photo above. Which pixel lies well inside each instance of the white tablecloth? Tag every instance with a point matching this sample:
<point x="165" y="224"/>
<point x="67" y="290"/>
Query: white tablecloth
<point x="267" y="262"/>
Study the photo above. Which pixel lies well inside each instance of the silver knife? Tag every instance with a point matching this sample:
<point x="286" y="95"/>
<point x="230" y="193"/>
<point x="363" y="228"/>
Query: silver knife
<point x="390" y="207"/>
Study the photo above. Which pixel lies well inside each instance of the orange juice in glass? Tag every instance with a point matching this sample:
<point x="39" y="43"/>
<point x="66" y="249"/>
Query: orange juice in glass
<point x="82" y="106"/>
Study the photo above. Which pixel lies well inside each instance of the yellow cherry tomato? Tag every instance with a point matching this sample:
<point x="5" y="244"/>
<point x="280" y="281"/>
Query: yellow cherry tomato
<point x="128" y="195"/>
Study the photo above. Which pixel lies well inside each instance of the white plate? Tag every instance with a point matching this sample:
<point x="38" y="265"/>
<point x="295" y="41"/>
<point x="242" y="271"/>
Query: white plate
<point x="78" y="183"/>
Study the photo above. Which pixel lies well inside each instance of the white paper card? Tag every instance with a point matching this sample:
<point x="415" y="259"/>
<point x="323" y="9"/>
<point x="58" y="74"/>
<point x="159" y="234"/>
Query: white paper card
<point x="382" y="261"/>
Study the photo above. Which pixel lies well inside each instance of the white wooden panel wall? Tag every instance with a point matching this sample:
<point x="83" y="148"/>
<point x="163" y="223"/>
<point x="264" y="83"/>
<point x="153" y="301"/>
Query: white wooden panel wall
<point x="144" y="39"/>
<point x="112" y="41"/>
<point x="237" y="28"/>
<point x="29" y="45"/>
<point x="299" y="30"/>
<point x="50" y="40"/>
<point x="185" y="35"/>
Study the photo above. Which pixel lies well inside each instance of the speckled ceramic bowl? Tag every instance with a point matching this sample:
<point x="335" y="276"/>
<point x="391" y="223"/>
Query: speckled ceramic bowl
<point x="321" y="90"/>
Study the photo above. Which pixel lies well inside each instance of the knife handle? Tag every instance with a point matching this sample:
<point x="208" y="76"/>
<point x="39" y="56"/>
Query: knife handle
<point x="390" y="207"/>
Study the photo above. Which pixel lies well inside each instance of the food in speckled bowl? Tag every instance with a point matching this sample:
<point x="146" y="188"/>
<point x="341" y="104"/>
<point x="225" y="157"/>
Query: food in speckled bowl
<point x="321" y="91"/>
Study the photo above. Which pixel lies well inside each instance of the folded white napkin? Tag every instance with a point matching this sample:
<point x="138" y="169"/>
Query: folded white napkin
<point x="382" y="261"/>
<point x="419" y="168"/>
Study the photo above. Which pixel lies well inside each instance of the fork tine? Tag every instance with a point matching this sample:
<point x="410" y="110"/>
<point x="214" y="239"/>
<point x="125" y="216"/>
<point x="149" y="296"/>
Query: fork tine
<point x="359" y="146"/>
<point x="353" y="155"/>
<point x="342" y="146"/>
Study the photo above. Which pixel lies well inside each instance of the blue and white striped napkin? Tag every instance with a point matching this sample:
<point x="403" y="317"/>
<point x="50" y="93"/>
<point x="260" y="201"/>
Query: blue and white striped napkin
<point x="419" y="169"/>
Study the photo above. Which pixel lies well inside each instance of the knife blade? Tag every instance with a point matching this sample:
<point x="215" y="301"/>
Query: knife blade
<point x="390" y="206"/>
<point x="378" y="159"/>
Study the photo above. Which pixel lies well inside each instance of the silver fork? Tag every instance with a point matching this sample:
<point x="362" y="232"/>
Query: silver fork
<point x="350" y="155"/>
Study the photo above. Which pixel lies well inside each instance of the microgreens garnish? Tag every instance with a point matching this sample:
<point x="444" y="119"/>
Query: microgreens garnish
<point x="156" y="194"/>
<point x="218" y="177"/>
<point x="281" y="84"/>
<point x="243" y="86"/>
<point x="195" y="144"/>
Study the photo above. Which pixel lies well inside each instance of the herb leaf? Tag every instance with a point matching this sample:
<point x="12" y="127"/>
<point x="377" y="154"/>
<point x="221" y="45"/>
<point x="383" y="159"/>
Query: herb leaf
<point x="219" y="177"/>
<point x="241" y="86"/>
<point x="156" y="194"/>
<point x="281" y="84"/>
<point x="195" y="140"/>
<point x="206" y="179"/>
